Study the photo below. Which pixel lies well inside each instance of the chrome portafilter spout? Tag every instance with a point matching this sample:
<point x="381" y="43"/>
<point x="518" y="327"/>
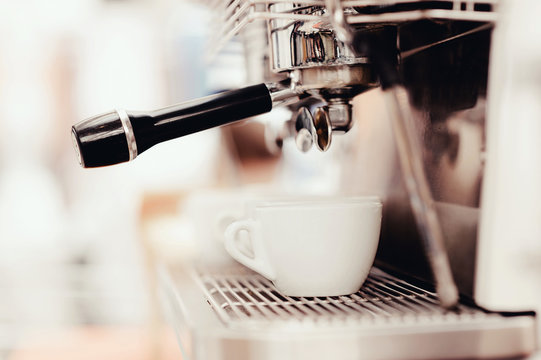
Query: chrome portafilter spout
<point x="119" y="136"/>
<point x="318" y="128"/>
<point x="332" y="115"/>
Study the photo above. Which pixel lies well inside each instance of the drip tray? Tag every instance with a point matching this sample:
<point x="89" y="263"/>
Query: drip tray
<point x="233" y="313"/>
<point x="239" y="298"/>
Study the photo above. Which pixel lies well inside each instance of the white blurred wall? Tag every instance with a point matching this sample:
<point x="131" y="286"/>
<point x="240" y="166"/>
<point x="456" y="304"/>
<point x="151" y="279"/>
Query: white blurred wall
<point x="69" y="248"/>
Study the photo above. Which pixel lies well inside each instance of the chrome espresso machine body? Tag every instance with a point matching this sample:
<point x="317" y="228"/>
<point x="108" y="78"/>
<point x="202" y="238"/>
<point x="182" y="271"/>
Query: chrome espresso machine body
<point x="433" y="65"/>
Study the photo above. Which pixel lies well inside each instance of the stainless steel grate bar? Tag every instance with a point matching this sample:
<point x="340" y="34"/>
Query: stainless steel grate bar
<point x="365" y="308"/>
<point x="227" y="304"/>
<point x="400" y="299"/>
<point x="408" y="296"/>
<point x="264" y="305"/>
<point x="252" y="308"/>
<point x="292" y="308"/>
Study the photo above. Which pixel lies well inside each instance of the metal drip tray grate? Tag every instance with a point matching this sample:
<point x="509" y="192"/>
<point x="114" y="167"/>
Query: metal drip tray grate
<point x="241" y="297"/>
<point x="224" y="313"/>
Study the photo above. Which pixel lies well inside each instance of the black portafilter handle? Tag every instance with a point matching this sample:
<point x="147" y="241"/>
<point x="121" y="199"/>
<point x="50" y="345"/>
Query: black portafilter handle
<point x="120" y="135"/>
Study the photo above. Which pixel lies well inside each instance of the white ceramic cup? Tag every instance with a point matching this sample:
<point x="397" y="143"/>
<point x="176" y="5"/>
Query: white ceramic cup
<point x="310" y="247"/>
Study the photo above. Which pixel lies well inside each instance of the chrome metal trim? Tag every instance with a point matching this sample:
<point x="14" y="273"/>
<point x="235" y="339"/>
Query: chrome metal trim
<point x="333" y="77"/>
<point x="304" y="126"/>
<point x="323" y="128"/>
<point x="77" y="148"/>
<point x="306" y="44"/>
<point x="281" y="95"/>
<point x="338" y="20"/>
<point x="339" y="111"/>
<point x="234" y="17"/>
<point x="128" y="131"/>
<point x="408" y="53"/>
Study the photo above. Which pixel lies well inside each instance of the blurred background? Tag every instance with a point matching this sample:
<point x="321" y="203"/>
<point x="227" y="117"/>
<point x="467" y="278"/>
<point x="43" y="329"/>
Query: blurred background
<point x="73" y="281"/>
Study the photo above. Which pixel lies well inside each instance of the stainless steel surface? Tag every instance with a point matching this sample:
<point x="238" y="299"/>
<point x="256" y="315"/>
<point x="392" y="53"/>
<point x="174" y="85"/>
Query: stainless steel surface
<point x="128" y="130"/>
<point x="338" y="21"/>
<point x="232" y="17"/>
<point x="282" y="95"/>
<point x="304" y="127"/>
<point x="323" y="129"/>
<point x="410" y="154"/>
<point x="339" y="113"/>
<point x="304" y="44"/>
<point x="411" y="52"/>
<point x="232" y="313"/>
<point x="304" y="140"/>
<point x="335" y="77"/>
<point x="460" y="10"/>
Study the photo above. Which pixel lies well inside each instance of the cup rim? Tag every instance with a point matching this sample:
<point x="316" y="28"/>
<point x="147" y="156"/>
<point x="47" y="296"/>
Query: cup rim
<point x="372" y="201"/>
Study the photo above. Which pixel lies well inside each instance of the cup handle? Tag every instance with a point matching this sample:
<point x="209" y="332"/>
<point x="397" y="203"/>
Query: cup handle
<point x="257" y="263"/>
<point x="222" y="221"/>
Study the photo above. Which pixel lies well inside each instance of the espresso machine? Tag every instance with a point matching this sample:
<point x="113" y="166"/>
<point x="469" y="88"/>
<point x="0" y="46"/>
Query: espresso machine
<point x="443" y="285"/>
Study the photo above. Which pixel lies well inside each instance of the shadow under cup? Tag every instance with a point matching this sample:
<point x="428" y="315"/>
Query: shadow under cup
<point x="310" y="248"/>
